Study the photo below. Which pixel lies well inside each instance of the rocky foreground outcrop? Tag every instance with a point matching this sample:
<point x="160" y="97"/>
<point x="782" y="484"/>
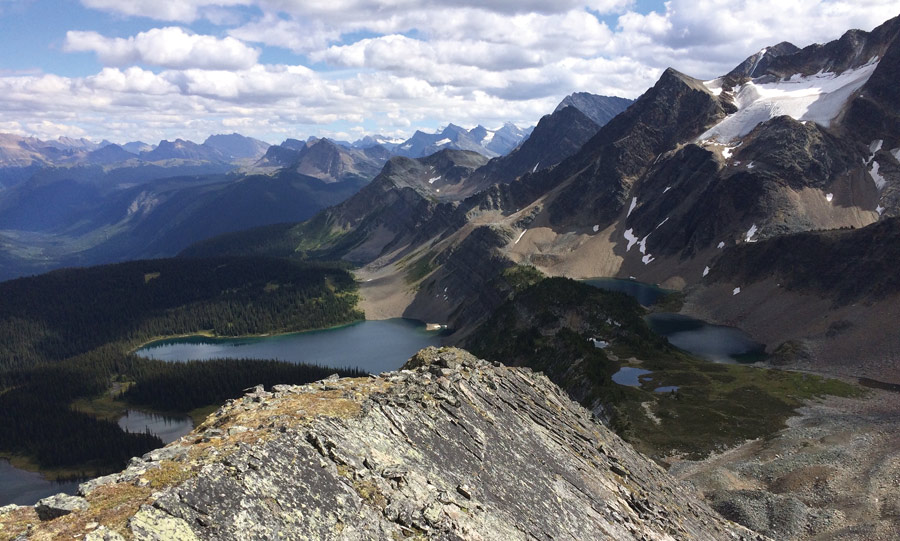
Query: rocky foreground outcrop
<point x="451" y="447"/>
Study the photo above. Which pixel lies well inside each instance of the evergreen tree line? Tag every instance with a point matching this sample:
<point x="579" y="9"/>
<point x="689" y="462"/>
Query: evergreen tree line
<point x="193" y="384"/>
<point x="72" y="311"/>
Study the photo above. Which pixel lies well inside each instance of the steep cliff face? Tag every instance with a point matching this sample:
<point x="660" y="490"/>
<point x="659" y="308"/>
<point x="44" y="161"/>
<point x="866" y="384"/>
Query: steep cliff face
<point x="452" y="447"/>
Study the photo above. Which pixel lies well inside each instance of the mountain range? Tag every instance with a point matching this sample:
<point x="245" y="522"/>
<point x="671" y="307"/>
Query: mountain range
<point x="73" y="202"/>
<point x="790" y="141"/>
<point x="21" y="156"/>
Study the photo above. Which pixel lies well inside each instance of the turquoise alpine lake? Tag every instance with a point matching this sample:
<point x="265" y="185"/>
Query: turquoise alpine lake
<point x="373" y="346"/>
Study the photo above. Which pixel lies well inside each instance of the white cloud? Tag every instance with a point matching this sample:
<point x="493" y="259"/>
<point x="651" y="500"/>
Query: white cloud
<point x="335" y="11"/>
<point x="132" y="80"/>
<point x="707" y="38"/>
<point x="297" y="35"/>
<point x="162" y="10"/>
<point x="169" y="47"/>
<point x="393" y="65"/>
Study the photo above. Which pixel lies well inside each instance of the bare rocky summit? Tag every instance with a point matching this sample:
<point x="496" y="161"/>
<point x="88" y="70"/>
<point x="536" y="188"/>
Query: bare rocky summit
<point x="450" y="447"/>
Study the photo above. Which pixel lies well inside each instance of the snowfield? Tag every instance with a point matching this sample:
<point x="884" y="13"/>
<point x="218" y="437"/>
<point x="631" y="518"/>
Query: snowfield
<point x="817" y="98"/>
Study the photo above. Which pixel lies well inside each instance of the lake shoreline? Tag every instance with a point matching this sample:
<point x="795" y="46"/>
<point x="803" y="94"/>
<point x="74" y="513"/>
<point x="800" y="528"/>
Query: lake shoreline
<point x="372" y="346"/>
<point x="209" y="334"/>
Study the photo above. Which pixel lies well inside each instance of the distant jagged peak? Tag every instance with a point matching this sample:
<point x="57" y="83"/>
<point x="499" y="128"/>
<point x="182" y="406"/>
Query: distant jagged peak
<point x="600" y="109"/>
<point x="429" y="174"/>
<point x="853" y="50"/>
<point x="237" y="146"/>
<point x="377" y="139"/>
<point x="136" y="147"/>
<point x="293" y="144"/>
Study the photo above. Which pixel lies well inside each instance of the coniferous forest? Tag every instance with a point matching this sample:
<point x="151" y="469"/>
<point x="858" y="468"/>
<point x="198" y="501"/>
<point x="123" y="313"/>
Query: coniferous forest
<point x="70" y="334"/>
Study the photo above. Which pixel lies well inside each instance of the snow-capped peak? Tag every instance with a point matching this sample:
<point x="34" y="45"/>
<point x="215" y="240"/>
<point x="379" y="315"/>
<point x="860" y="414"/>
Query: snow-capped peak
<point x="817" y="98"/>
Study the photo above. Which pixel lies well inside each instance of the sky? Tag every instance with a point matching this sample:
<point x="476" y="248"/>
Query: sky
<point x="128" y="70"/>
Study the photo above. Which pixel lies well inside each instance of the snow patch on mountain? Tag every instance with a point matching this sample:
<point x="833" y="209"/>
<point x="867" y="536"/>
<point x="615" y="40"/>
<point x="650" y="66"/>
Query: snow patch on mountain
<point x="632" y="240"/>
<point x="817" y="98"/>
<point x="874" y="147"/>
<point x="631" y="208"/>
<point x="642" y="245"/>
<point x="877" y="177"/>
<point x="714" y="86"/>
<point x="829" y="197"/>
<point x="750" y="232"/>
<point x="896" y="154"/>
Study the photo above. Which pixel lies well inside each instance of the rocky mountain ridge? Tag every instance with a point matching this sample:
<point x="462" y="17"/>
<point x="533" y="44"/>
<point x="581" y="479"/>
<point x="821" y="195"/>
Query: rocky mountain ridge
<point x="450" y="447"/>
<point x="326" y="160"/>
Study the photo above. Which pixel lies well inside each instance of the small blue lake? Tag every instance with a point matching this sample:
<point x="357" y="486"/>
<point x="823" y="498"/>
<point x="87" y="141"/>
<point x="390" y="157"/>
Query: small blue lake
<point x="373" y="346"/>
<point x="717" y="343"/>
<point x="646" y="294"/>
<point x="630" y="376"/>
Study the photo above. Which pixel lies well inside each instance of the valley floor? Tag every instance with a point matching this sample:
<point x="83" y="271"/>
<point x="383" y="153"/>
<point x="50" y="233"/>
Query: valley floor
<point x="832" y="474"/>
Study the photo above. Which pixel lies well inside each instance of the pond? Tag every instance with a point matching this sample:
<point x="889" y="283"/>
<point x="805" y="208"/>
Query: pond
<point x="23" y="487"/>
<point x="168" y="428"/>
<point x="646" y="294"/>
<point x="630" y="376"/>
<point x="373" y="346"/>
<point x="718" y="343"/>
